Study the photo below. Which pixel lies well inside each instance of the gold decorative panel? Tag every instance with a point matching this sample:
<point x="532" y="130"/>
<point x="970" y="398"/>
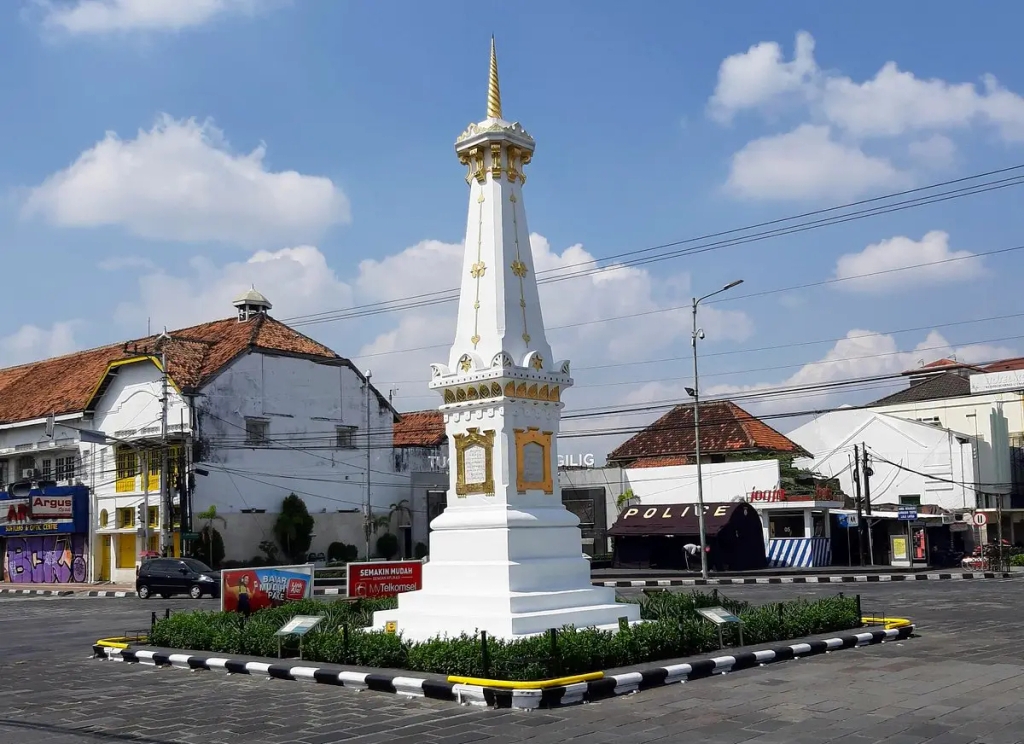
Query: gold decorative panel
<point x="474" y="458"/>
<point x="533" y="461"/>
<point x="510" y="389"/>
<point x="495" y="389"/>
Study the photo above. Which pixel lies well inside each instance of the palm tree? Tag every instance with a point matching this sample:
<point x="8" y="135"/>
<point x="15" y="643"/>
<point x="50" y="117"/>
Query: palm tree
<point x="210" y="516"/>
<point x="402" y="514"/>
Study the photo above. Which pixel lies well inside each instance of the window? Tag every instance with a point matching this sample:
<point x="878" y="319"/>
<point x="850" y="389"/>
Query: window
<point x="153" y="466"/>
<point x="127" y="468"/>
<point x="65" y="468"/>
<point x="256" y="432"/>
<point x="933" y="420"/>
<point x="345" y="437"/>
<point x="46" y="468"/>
<point x="3" y="474"/>
<point x="104" y="518"/>
<point x="910" y="501"/>
<point x="126" y="517"/>
<point x="154" y="516"/>
<point x="786" y="525"/>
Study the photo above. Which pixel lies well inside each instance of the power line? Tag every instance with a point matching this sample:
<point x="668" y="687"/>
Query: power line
<point x="450" y="295"/>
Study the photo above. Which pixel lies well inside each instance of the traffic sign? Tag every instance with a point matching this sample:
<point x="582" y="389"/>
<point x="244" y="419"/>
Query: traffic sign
<point x="907" y="513"/>
<point x="980" y="519"/>
<point x="847" y="520"/>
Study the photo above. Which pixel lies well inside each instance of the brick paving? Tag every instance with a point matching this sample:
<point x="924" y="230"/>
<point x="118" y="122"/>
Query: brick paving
<point x="959" y="683"/>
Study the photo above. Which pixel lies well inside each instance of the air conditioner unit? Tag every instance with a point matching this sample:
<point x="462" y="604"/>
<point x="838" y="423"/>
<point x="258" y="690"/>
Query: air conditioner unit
<point x="28" y="473"/>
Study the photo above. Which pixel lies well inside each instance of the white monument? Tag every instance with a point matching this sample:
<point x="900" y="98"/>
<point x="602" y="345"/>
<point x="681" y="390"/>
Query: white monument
<point x="505" y="555"/>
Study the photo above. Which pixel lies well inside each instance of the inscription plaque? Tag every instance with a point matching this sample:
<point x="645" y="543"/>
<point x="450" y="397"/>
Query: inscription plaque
<point x="474" y="459"/>
<point x="533" y="462"/>
<point x="476" y="465"/>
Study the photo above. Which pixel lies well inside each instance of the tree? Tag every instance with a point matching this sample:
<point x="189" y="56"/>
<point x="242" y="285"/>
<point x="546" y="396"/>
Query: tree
<point x="294" y="528"/>
<point x="387" y="545"/>
<point x="625" y="498"/>
<point x="210" y="546"/>
<point x="374" y="523"/>
<point x="401" y="515"/>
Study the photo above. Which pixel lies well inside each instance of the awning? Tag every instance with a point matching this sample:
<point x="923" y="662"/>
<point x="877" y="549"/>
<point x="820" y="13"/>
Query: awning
<point x="674" y="519"/>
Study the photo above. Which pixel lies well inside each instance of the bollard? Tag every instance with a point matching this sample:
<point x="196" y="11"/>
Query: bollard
<point x="167" y="613"/>
<point x="781" y="609"/>
<point x="152" y="622"/>
<point x="344" y="640"/>
<point x="714" y="594"/>
<point x="485" y="657"/>
<point x="859" y="614"/>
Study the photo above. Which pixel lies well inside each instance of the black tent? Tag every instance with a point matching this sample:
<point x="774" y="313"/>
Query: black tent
<point x="655" y="536"/>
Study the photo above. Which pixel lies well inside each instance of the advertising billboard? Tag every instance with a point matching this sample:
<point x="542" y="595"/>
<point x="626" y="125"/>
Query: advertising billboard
<point x="250" y="589"/>
<point x="384" y="579"/>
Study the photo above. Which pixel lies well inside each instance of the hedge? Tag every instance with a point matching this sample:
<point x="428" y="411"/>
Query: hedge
<point x="675" y="630"/>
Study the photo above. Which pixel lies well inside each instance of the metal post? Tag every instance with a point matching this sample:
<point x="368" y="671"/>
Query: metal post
<point x="366" y="513"/>
<point x="698" y="334"/>
<point x="143" y="465"/>
<point x="696" y="452"/>
<point x="485" y="657"/>
<point x="867" y="502"/>
<point x="166" y="536"/>
<point x="860" y="504"/>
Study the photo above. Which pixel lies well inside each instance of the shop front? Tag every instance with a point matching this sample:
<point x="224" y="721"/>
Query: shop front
<point x="797" y="529"/>
<point x="667" y="536"/>
<point x="44" y="536"/>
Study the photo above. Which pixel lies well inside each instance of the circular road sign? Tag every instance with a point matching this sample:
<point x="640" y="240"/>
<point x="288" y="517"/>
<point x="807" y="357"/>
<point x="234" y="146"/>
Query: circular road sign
<point x="980" y="519"/>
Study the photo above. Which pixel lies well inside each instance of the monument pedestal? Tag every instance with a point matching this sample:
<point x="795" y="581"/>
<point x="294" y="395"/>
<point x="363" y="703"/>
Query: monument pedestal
<point x="513" y="572"/>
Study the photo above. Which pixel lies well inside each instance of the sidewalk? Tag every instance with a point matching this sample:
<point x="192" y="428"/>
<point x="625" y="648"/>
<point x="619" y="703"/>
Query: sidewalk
<point x="67" y="590"/>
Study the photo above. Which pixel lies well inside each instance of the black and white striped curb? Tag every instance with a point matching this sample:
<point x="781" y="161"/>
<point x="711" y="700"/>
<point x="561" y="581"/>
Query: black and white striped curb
<point x="848" y="579"/>
<point x="39" y="592"/>
<point x="105" y="593"/>
<point x="551" y="697"/>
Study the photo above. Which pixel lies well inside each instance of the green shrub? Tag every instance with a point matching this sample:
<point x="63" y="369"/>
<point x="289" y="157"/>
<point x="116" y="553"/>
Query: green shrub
<point x="674" y="630"/>
<point x="1017" y="560"/>
<point x="341" y="552"/>
<point x="420" y="551"/>
<point x="387" y="545"/>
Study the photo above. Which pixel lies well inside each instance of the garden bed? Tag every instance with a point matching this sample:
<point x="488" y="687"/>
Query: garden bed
<point x="674" y="630"/>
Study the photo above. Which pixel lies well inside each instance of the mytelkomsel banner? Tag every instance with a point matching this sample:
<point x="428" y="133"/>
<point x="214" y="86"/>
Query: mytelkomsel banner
<point x="250" y="589"/>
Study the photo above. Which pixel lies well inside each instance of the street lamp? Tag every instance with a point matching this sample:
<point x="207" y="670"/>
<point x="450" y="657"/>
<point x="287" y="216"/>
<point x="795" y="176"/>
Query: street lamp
<point x="698" y="333"/>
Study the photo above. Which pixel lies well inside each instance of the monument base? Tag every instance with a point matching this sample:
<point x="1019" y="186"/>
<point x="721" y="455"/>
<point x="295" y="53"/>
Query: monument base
<point x="424" y="615"/>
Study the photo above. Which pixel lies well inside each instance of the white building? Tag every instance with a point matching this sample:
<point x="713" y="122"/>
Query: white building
<point x="965" y="399"/>
<point x="913" y="463"/>
<point x="255" y="411"/>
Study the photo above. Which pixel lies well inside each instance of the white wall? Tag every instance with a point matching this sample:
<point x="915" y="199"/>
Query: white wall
<point x="244" y="532"/>
<point x="991" y="418"/>
<point x="935" y="453"/>
<point x="304" y="402"/>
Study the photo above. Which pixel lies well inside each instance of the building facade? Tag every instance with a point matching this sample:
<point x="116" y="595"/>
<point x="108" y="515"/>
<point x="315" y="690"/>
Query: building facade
<point x="228" y="417"/>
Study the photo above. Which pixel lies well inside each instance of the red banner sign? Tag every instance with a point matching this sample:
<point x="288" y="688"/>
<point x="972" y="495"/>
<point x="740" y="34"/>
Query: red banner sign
<point x="52" y="507"/>
<point x="375" y="580"/>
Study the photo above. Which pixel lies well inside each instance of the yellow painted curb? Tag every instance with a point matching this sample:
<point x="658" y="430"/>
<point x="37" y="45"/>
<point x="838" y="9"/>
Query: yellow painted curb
<point x="890" y="623"/>
<point x="535" y="685"/>
<point x="116" y="642"/>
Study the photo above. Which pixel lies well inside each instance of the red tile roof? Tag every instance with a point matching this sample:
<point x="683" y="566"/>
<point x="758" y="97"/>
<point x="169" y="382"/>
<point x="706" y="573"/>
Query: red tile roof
<point x="420" y="429"/>
<point x="1006" y="365"/>
<point x="940" y="365"/>
<point x="725" y="428"/>
<point x="68" y="384"/>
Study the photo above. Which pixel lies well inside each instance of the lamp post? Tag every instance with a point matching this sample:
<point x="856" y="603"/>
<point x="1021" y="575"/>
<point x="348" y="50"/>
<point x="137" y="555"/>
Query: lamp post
<point x="366" y="513"/>
<point x="698" y="333"/>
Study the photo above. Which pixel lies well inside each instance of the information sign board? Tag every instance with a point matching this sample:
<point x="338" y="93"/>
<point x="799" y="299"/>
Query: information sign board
<point x="721" y="617"/>
<point x="383" y="579"/>
<point x="299" y="625"/>
<point x="907" y="513"/>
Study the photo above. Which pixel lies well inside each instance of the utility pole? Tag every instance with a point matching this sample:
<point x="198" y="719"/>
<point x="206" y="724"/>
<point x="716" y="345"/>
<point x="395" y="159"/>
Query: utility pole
<point x="366" y="514"/>
<point x="166" y="533"/>
<point x="859" y="502"/>
<point x="868" y="472"/>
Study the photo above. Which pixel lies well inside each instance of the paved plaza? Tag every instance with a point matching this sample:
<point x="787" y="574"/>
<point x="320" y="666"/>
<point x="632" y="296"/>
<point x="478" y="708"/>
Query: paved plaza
<point x="958" y="683"/>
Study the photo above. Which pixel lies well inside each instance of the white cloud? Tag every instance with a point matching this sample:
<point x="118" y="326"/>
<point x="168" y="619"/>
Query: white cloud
<point x="106" y="16"/>
<point x="807" y="163"/>
<point x="894" y="102"/>
<point x="860" y="354"/>
<point x="935" y="153"/>
<point x="931" y="257"/>
<point x="180" y="181"/>
<point x="117" y="263"/>
<point x="297" y="281"/>
<point x="758" y="77"/>
<point x="30" y="343"/>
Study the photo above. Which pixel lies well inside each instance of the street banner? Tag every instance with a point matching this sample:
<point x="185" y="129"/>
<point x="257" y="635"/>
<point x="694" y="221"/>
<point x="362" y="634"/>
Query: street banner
<point x="250" y="589"/>
<point x="384" y="579"/>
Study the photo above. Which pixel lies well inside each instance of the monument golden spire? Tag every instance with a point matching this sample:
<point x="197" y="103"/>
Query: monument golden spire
<point x="493" y="91"/>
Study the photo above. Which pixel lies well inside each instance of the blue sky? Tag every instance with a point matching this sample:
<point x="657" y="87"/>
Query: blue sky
<point x="160" y="155"/>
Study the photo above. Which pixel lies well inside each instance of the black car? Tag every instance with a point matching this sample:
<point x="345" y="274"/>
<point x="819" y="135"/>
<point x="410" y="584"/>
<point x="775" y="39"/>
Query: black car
<point x="168" y="576"/>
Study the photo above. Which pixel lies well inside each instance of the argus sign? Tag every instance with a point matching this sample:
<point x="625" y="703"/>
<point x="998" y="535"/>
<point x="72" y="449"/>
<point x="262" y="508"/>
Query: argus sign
<point x="374" y="580"/>
<point x="51" y="507"/>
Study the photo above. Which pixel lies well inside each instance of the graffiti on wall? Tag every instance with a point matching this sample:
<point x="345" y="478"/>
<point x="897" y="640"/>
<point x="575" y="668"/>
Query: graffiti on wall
<point x="46" y="559"/>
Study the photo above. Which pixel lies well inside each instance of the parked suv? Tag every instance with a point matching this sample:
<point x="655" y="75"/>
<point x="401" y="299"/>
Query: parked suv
<point x="169" y="576"/>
